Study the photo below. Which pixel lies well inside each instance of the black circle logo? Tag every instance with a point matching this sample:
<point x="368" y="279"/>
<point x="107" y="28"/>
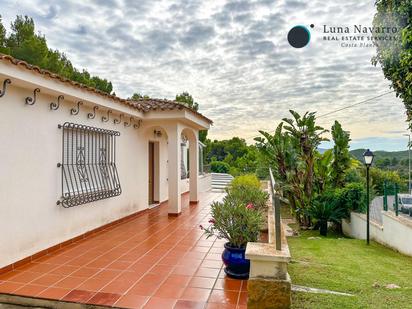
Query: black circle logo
<point x="299" y="36"/>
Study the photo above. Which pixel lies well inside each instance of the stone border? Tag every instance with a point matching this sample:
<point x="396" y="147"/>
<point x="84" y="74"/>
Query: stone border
<point x="269" y="284"/>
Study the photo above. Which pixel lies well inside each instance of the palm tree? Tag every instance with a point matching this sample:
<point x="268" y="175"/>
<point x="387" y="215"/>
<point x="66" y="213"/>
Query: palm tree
<point x="276" y="148"/>
<point x="323" y="170"/>
<point x="292" y="152"/>
<point x="281" y="155"/>
<point x="307" y="137"/>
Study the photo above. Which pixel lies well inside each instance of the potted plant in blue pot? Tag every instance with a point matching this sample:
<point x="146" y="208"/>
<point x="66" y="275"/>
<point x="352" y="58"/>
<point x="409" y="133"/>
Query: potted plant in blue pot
<point x="239" y="224"/>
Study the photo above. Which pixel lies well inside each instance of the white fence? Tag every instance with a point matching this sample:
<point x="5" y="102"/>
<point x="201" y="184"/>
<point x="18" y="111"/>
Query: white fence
<point x="395" y="231"/>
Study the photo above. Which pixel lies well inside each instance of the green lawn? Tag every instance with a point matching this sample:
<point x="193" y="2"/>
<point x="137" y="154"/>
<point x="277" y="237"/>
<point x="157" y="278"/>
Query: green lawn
<point x="350" y="266"/>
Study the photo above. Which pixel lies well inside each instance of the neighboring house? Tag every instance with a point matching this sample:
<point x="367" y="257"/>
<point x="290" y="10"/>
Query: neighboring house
<point x="74" y="159"/>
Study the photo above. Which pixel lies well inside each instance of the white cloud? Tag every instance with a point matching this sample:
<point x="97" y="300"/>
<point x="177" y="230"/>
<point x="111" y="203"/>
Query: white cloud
<point x="232" y="56"/>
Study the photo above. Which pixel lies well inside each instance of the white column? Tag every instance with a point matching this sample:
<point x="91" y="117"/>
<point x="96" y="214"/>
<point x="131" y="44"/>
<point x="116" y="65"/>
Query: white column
<point x="174" y="153"/>
<point x="194" y="168"/>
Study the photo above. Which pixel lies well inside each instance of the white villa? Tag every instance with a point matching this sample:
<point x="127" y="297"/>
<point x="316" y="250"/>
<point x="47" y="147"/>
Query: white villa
<point x="74" y="159"/>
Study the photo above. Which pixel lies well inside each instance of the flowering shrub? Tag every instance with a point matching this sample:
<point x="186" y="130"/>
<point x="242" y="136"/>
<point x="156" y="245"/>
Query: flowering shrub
<point x="237" y="222"/>
<point x="239" y="217"/>
<point x="247" y="194"/>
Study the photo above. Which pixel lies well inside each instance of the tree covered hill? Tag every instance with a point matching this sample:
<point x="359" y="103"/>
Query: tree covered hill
<point x="25" y="44"/>
<point x="396" y="156"/>
<point x="387" y="160"/>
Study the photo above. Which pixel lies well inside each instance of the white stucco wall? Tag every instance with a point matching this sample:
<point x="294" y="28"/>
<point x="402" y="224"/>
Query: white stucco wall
<point x="395" y="232"/>
<point x="30" y="148"/>
<point x="30" y="182"/>
<point x="205" y="182"/>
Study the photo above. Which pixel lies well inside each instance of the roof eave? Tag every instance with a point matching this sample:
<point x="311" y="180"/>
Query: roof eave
<point x="196" y="122"/>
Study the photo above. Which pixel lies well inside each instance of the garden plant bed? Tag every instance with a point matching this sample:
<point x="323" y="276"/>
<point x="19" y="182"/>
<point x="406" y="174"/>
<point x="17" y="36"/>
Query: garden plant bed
<point x="350" y="266"/>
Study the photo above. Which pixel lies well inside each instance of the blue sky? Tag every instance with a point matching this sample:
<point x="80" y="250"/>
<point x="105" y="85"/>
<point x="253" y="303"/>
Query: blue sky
<point x="232" y="56"/>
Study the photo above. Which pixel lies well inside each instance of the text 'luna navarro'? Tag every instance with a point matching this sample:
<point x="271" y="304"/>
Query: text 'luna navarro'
<point x="359" y="29"/>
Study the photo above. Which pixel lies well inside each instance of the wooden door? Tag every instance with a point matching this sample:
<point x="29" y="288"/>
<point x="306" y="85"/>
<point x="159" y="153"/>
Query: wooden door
<point x="151" y="173"/>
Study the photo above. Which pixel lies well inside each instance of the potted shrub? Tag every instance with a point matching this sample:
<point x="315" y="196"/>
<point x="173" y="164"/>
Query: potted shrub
<point x="249" y="194"/>
<point x="238" y="223"/>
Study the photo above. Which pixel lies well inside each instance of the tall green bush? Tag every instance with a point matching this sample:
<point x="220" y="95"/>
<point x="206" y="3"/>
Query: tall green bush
<point x="335" y="204"/>
<point x="379" y="176"/>
<point x="246" y="189"/>
<point x="249" y="180"/>
<point x="353" y="197"/>
<point x="341" y="157"/>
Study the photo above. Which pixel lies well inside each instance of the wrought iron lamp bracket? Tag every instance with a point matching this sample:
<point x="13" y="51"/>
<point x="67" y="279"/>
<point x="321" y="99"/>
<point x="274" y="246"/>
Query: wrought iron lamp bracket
<point x="93" y="115"/>
<point x="75" y="111"/>
<point x="32" y="100"/>
<point x="55" y="106"/>
<point x="106" y="119"/>
<point x="137" y="126"/>
<point x="116" y="121"/>
<point x="5" y="83"/>
<point x="128" y="124"/>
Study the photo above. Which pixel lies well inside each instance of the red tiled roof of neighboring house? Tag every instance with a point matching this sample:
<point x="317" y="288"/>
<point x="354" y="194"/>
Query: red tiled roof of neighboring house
<point x="144" y="105"/>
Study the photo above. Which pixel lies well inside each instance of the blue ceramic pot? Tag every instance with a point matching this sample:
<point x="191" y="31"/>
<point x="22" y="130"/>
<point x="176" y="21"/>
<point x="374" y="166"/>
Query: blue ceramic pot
<point x="237" y="266"/>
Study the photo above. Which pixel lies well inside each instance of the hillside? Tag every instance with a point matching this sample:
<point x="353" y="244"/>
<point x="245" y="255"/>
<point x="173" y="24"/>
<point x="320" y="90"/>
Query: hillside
<point x="380" y="154"/>
<point x="387" y="160"/>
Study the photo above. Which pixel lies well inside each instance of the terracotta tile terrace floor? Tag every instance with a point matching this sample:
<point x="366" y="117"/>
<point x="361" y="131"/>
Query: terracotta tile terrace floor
<point x="150" y="261"/>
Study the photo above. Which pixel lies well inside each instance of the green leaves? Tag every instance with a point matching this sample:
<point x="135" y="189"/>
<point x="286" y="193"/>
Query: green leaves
<point x="379" y="176"/>
<point x="304" y="173"/>
<point x="24" y="44"/>
<point x="394" y="56"/>
<point x="241" y="157"/>
<point x="246" y="192"/>
<point x="137" y="96"/>
<point x="219" y="167"/>
<point x="3" y="47"/>
<point x="323" y="170"/>
<point x="187" y="100"/>
<point x="328" y="211"/>
<point x="341" y="156"/>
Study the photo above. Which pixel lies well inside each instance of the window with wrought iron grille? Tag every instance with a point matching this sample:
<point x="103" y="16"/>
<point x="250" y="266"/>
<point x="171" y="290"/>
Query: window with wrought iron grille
<point x="88" y="165"/>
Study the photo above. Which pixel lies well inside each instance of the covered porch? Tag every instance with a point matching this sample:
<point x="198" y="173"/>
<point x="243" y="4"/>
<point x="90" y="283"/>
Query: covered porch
<point x="149" y="260"/>
<point x="173" y="161"/>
